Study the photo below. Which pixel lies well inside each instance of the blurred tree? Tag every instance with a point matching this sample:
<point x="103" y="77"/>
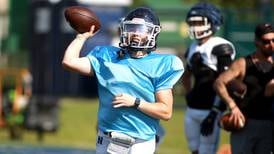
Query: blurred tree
<point x="17" y="34"/>
<point x="139" y="3"/>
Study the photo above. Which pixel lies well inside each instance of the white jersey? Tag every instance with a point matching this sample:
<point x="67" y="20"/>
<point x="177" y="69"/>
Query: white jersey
<point x="205" y="49"/>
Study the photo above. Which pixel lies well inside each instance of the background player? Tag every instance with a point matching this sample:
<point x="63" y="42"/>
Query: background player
<point x="256" y="70"/>
<point x="206" y="58"/>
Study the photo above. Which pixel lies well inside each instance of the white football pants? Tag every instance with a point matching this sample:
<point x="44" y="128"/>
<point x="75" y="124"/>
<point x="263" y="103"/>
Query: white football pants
<point x="140" y="146"/>
<point x="197" y="142"/>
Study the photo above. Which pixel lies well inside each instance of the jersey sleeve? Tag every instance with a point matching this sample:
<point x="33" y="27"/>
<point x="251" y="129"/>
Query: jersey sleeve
<point x="173" y="71"/>
<point x="93" y="56"/>
<point x="101" y="54"/>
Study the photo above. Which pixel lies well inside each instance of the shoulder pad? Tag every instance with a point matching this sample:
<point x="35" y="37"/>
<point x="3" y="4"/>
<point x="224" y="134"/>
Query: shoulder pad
<point x="222" y="50"/>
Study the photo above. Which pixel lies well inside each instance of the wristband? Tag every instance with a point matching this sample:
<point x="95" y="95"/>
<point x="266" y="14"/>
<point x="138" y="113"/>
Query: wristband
<point x="137" y="102"/>
<point x="233" y="107"/>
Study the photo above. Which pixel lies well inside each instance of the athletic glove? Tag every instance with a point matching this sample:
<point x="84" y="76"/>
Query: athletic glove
<point x="207" y="126"/>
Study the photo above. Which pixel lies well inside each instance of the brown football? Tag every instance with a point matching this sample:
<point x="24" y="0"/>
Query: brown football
<point x="227" y="124"/>
<point x="81" y="18"/>
<point x="236" y="88"/>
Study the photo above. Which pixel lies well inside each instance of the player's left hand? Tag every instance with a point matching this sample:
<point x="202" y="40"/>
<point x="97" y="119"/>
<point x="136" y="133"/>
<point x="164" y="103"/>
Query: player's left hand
<point x="123" y="100"/>
<point x="208" y="123"/>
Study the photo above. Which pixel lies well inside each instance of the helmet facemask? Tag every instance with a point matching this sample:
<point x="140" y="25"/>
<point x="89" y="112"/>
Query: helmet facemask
<point x="199" y="27"/>
<point x="138" y="34"/>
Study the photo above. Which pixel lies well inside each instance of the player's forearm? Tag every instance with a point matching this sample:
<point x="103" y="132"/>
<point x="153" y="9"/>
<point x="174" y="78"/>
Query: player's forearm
<point x="161" y="109"/>
<point x="220" y="88"/>
<point x="158" y="110"/>
<point x="73" y="50"/>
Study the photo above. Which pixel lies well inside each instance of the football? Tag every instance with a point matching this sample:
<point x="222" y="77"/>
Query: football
<point x="81" y="18"/>
<point x="236" y="88"/>
<point x="228" y="125"/>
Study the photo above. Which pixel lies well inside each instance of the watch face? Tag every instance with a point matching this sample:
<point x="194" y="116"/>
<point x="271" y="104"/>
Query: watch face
<point x="137" y="102"/>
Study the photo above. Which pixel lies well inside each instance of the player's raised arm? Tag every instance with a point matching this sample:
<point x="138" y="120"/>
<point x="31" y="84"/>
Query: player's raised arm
<point x="72" y="61"/>
<point x="86" y="23"/>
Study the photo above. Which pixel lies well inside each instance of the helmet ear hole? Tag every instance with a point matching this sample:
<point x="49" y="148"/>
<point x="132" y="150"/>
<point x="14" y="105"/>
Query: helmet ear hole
<point x="157" y="29"/>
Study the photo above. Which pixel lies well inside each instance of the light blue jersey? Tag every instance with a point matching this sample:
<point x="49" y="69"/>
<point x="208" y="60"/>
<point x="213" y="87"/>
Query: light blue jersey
<point x="137" y="77"/>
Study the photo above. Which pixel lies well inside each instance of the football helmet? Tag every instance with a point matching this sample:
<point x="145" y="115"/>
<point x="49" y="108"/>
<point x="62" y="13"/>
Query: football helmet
<point x="139" y="30"/>
<point x="203" y="19"/>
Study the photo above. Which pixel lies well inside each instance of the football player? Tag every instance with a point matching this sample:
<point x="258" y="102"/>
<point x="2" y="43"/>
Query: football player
<point x="207" y="56"/>
<point x="134" y="83"/>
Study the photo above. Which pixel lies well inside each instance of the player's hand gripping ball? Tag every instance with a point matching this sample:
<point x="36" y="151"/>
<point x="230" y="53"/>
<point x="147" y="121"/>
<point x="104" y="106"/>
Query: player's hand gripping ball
<point x="228" y="124"/>
<point x="81" y="19"/>
<point x="236" y="88"/>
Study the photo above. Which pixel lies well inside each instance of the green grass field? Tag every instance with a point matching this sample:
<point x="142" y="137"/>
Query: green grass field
<point x="77" y="129"/>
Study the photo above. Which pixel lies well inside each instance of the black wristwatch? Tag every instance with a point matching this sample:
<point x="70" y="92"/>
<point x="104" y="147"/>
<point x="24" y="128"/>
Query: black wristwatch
<point x="137" y="102"/>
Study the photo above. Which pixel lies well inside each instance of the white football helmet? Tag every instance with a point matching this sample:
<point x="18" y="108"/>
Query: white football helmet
<point x="203" y="19"/>
<point x="139" y="30"/>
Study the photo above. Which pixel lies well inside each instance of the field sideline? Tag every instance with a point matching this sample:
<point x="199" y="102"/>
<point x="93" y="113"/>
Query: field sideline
<point x="78" y="123"/>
